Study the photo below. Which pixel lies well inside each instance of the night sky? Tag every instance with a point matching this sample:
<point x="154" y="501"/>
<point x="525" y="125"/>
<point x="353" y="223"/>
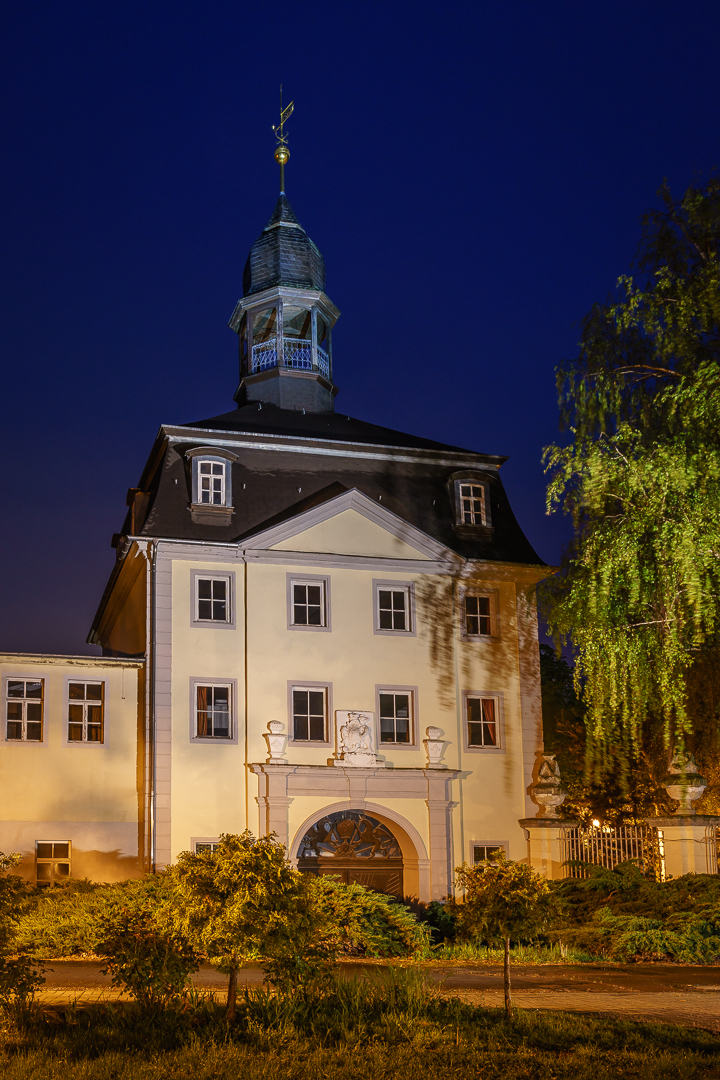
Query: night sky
<point x="473" y="173"/>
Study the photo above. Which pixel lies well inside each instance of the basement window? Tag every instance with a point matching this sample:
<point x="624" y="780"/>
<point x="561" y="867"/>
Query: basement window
<point x="52" y="862"/>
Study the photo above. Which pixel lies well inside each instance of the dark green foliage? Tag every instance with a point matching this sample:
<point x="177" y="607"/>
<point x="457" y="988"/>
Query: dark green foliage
<point x="621" y="915"/>
<point x="437" y="916"/>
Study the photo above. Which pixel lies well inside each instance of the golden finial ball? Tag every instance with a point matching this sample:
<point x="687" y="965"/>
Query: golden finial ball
<point x="282" y="155"/>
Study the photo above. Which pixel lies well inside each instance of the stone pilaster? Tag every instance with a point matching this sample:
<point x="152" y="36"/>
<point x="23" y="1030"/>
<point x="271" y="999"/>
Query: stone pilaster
<point x="689" y="844"/>
<point x="544" y="836"/>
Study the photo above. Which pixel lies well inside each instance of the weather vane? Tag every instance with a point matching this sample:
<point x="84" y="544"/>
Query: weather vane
<point x="282" y="154"/>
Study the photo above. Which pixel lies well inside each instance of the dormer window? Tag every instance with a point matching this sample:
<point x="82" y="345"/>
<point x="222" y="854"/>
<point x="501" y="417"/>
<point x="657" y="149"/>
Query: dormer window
<point x="472" y="504"/>
<point x="471" y="498"/>
<point x="211" y="482"/>
<point x="211" y="498"/>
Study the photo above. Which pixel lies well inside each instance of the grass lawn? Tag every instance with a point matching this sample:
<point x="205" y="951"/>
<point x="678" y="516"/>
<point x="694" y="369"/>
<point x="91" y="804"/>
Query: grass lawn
<point x="398" y="1029"/>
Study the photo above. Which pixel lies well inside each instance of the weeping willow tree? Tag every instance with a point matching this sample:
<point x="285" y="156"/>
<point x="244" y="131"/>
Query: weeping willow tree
<point x="638" y="591"/>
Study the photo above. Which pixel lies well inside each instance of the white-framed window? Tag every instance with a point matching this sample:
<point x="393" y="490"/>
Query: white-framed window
<point x="487" y="852"/>
<point x="308" y="600"/>
<point x="212" y="599"/>
<point x="209" y="845"/>
<point x="472" y="502"/>
<point x="85" y="711"/>
<point x="393" y="607"/>
<point x="396" y="715"/>
<point x="24" y="709"/>
<point x="211" y="482"/>
<point x="53" y="862"/>
<point x="213" y="710"/>
<point x="309" y="709"/>
<point x="478" y="614"/>
<point x="482" y="722"/>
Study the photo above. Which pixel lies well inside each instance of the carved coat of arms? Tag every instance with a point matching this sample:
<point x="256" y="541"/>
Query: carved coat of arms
<point x="355" y="739"/>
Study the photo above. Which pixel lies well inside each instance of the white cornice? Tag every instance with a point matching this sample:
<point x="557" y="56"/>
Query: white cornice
<point x="56" y="659"/>
<point x="326" y="448"/>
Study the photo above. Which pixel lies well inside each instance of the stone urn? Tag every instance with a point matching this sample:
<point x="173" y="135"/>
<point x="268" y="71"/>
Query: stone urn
<point x="549" y="792"/>
<point x="275" y="740"/>
<point x="684" y="783"/>
<point x="434" y="744"/>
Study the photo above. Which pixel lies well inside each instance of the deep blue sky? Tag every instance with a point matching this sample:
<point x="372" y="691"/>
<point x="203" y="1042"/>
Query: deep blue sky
<point x="473" y="173"/>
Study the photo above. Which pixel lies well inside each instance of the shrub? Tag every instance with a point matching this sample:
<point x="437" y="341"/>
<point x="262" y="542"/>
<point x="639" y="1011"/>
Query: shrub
<point x="355" y="919"/>
<point x="152" y="965"/>
<point x="20" y="975"/>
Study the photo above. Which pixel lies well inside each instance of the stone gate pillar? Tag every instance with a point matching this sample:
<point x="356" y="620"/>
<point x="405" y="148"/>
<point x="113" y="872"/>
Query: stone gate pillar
<point x="689" y="844"/>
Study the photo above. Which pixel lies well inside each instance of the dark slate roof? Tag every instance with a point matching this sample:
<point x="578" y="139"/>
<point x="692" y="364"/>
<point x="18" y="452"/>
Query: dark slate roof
<point x="264" y="418"/>
<point x="283" y="254"/>
<point x="408" y="475"/>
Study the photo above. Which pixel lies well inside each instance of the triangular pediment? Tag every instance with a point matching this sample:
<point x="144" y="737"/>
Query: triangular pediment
<point x="351" y="524"/>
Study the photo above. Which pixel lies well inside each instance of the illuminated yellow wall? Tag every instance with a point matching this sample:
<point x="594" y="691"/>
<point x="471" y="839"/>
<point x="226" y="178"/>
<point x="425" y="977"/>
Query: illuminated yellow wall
<point x="88" y="793"/>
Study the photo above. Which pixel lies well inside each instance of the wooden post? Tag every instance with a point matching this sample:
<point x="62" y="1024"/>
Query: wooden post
<point x="506" y="979"/>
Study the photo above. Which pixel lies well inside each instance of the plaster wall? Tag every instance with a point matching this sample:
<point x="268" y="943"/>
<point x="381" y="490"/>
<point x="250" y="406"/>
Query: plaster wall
<point x="213" y="790"/>
<point x="89" y="793"/>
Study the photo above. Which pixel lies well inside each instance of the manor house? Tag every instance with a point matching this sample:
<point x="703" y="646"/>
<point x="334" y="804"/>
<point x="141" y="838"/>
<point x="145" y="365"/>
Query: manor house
<point x="315" y="627"/>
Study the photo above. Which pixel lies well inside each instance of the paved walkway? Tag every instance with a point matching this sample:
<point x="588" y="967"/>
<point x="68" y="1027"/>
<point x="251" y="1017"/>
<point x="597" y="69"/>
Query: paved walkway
<point x="672" y="993"/>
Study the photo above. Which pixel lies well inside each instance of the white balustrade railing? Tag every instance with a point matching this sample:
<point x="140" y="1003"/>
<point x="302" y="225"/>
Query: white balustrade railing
<point x="297" y="356"/>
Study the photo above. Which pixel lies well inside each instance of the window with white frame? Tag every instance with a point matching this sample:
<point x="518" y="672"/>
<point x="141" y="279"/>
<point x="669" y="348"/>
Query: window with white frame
<point x="308" y="603"/>
<point x="396" y="715"/>
<point x="472" y="503"/>
<point x="487" y="853"/>
<point x="208" y="846"/>
<point x="24" y="710"/>
<point x="52" y="862"/>
<point x="212" y="599"/>
<point x="482" y="722"/>
<point x="86" y="707"/>
<point x="213" y="704"/>
<point x="478" y="615"/>
<point x="309" y="713"/>
<point x="211" y="482"/>
<point x="393" y="608"/>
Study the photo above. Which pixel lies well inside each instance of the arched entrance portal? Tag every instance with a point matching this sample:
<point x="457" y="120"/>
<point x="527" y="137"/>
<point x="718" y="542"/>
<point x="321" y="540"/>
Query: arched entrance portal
<point x="357" y="848"/>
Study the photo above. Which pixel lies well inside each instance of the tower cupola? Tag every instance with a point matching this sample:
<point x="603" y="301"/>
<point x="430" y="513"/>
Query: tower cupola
<point x="284" y="319"/>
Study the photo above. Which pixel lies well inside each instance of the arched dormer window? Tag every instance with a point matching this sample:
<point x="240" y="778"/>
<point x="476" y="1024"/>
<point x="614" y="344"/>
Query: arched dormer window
<point x="211" y="500"/>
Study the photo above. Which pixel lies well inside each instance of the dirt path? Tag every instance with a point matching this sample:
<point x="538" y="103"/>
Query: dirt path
<point x="672" y="993"/>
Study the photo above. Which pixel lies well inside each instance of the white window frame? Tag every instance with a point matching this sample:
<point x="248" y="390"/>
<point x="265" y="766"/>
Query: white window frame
<point x="484" y="515"/>
<point x="203" y="842"/>
<point x="53" y="861"/>
<point x="406" y="587"/>
<point x="210" y="575"/>
<point x="214" y="740"/>
<point x="303" y="684"/>
<point x="499" y="700"/>
<point x="67" y="702"/>
<point x="215" y="457"/>
<point x="492" y="596"/>
<point x="7" y="701"/>
<point x="211" y="473"/>
<point x="412" y="692"/>
<point x="323" y="580"/>
<point x="499" y="845"/>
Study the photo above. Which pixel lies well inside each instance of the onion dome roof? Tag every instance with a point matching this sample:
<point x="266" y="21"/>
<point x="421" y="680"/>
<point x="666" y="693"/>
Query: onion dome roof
<point x="283" y="254"/>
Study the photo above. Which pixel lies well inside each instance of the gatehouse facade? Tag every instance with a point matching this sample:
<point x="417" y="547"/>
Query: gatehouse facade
<point x="326" y="631"/>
